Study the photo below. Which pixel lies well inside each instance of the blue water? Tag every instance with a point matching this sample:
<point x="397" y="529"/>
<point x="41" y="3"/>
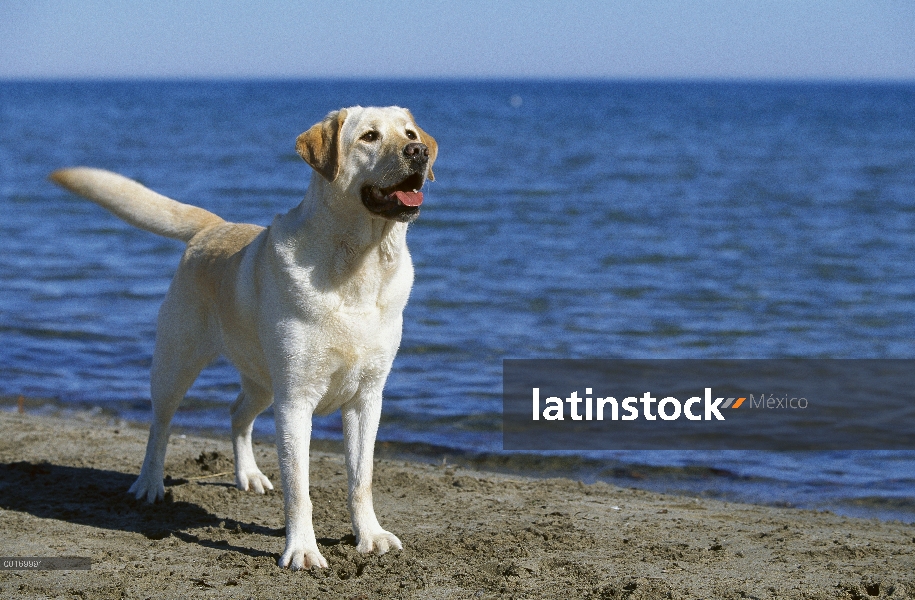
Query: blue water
<point x="567" y="220"/>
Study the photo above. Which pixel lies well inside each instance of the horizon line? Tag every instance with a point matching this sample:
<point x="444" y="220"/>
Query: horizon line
<point x="468" y="79"/>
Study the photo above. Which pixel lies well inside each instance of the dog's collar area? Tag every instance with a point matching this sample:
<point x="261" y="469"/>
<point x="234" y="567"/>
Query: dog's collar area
<point x="399" y="202"/>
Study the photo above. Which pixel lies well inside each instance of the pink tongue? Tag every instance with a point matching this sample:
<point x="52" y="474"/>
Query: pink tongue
<point x="409" y="198"/>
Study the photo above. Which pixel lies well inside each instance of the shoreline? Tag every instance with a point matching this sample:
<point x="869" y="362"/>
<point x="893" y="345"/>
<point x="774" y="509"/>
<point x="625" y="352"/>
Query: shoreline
<point x="466" y="533"/>
<point x="715" y="477"/>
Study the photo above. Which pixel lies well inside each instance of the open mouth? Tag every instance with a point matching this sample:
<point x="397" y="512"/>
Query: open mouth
<point x="399" y="202"/>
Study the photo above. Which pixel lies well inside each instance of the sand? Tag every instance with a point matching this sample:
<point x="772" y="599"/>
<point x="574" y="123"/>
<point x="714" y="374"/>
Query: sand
<point x="466" y="534"/>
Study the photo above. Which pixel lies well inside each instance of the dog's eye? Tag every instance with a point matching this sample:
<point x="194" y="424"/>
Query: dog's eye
<point x="411" y="135"/>
<point x="370" y="136"/>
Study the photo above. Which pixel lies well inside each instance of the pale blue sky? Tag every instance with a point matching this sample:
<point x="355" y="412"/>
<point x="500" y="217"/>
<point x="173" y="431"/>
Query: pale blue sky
<point x="746" y="39"/>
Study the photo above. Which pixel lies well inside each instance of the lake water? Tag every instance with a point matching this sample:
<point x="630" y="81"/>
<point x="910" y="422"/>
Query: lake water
<point x="567" y="220"/>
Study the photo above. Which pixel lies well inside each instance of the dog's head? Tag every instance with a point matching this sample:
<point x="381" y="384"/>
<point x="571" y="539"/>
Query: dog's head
<point x="376" y="156"/>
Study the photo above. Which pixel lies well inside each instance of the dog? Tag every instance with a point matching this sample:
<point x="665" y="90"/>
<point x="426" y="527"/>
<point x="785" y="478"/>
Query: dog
<point x="309" y="309"/>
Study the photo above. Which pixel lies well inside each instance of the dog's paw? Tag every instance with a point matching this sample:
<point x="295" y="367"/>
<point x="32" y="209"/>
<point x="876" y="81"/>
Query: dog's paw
<point x="152" y="488"/>
<point x="378" y="542"/>
<point x="252" y="480"/>
<point x="301" y="557"/>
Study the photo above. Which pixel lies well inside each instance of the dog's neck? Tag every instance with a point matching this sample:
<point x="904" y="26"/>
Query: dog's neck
<point x="359" y="239"/>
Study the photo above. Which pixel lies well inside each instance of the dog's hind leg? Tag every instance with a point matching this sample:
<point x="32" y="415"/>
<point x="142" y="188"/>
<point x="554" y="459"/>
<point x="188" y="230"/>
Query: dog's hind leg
<point x="179" y="356"/>
<point x="252" y="400"/>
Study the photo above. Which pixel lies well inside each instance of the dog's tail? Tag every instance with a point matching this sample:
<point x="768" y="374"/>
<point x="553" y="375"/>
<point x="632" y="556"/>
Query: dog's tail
<point x="136" y="204"/>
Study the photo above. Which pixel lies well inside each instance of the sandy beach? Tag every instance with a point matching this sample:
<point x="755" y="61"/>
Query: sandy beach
<point x="466" y="534"/>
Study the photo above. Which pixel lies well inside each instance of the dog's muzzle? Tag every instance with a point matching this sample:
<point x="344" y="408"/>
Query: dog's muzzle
<point x="417" y="153"/>
<point x="400" y="202"/>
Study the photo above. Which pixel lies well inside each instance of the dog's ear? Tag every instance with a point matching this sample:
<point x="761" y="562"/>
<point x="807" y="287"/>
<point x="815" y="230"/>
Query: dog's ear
<point x="430" y="143"/>
<point x="320" y="145"/>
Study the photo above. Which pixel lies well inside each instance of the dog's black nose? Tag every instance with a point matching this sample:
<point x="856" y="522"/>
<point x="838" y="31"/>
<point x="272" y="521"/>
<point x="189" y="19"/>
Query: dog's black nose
<point x="416" y="151"/>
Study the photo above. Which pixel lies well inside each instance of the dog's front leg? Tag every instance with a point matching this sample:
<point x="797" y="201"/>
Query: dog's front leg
<point x="293" y="430"/>
<point x="360" y="426"/>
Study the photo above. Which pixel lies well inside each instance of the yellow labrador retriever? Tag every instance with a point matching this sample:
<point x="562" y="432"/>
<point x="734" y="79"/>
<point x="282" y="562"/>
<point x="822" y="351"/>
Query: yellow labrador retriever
<point x="309" y="309"/>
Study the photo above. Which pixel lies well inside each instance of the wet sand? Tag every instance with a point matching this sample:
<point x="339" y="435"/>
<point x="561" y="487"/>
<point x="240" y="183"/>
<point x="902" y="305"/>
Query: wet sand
<point x="466" y="534"/>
